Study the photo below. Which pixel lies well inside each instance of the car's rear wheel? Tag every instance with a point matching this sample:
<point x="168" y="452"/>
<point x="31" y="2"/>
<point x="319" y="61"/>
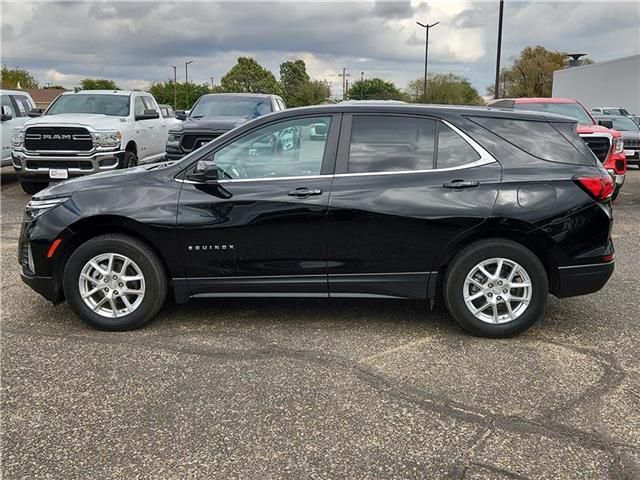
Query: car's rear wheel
<point x="496" y="288"/>
<point x="115" y="282"/>
<point x="32" y="188"/>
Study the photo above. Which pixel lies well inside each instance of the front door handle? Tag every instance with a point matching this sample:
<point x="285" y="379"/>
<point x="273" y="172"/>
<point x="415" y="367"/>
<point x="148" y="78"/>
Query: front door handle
<point x="460" y="184"/>
<point x="303" y="192"/>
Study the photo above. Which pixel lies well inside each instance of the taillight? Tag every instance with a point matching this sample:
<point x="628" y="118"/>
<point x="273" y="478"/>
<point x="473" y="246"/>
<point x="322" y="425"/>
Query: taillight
<point x="599" y="188"/>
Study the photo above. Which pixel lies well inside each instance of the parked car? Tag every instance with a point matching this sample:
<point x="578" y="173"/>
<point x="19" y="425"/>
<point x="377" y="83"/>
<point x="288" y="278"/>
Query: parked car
<point x="611" y="111"/>
<point x="169" y="115"/>
<point x="490" y="209"/>
<point x="630" y="136"/>
<point x="606" y="144"/>
<point x="87" y="132"/>
<point x="16" y="108"/>
<point x="214" y="114"/>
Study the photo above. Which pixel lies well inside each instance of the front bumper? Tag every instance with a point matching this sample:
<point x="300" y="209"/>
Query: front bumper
<point x="172" y="155"/>
<point x="574" y="280"/>
<point x="45" y="286"/>
<point x="34" y="166"/>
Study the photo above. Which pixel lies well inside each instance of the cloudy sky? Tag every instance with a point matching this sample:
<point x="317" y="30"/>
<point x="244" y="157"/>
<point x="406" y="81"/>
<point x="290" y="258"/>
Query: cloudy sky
<point x="136" y="43"/>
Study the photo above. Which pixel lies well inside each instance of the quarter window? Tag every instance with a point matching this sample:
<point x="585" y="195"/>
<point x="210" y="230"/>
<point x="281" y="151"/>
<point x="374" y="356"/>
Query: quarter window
<point x="453" y="150"/>
<point x="284" y="149"/>
<point x="386" y="143"/>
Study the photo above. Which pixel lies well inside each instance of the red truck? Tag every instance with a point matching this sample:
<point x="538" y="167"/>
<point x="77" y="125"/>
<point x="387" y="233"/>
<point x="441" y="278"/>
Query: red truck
<point x="603" y="141"/>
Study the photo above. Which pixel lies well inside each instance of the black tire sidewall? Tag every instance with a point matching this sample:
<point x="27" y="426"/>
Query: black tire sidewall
<point x="31" y="188"/>
<point x="468" y="259"/>
<point x="154" y="277"/>
<point x="128" y="160"/>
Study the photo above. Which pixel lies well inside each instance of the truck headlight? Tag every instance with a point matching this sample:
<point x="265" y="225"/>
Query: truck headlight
<point x="173" y="139"/>
<point x="618" y="146"/>
<point x="107" y="139"/>
<point x="17" y="140"/>
<point x="35" y="208"/>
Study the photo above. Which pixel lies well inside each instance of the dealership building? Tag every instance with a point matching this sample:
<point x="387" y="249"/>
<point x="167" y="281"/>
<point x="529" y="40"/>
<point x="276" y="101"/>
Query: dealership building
<point x="612" y="83"/>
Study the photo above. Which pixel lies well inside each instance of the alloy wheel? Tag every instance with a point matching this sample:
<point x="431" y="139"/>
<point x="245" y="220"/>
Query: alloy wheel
<point x="497" y="291"/>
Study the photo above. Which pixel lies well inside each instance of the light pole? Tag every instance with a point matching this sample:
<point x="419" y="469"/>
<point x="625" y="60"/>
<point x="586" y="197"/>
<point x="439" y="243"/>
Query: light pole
<point x="426" y="26"/>
<point x="186" y="80"/>
<point x="361" y="85"/>
<point x="496" y="87"/>
<point x="175" y="87"/>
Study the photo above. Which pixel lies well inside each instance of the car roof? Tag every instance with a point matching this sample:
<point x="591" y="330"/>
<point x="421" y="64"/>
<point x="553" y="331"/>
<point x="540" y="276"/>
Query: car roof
<point x="250" y="95"/>
<point x="608" y="117"/>
<point x="13" y="92"/>
<point x="435" y="110"/>
<point x="103" y="92"/>
<point x="537" y="100"/>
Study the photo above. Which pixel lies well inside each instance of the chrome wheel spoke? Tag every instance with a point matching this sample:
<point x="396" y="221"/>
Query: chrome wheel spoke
<point x="494" y="309"/>
<point x="475" y="296"/>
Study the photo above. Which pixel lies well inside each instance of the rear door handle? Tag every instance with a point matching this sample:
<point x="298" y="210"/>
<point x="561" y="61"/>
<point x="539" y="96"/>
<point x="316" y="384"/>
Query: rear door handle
<point x="303" y="192"/>
<point x="460" y="184"/>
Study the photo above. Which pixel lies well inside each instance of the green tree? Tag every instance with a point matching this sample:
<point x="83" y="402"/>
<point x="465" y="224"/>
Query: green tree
<point x="248" y="76"/>
<point x="164" y="93"/>
<point x="295" y="80"/>
<point x="313" y="93"/>
<point x="444" y="88"/>
<point x="531" y="73"/>
<point x="10" y="78"/>
<point x="98" y="84"/>
<point x="374" y="89"/>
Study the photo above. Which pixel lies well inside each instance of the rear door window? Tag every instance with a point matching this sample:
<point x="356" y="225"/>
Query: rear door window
<point x="453" y="150"/>
<point x="387" y="143"/>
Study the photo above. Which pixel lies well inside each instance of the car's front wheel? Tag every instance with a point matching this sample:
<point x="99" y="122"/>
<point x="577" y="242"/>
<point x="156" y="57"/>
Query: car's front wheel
<point x="496" y="288"/>
<point x="115" y="282"/>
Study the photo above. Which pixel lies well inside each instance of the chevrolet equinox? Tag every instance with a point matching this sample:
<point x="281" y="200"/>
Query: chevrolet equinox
<point x="489" y="209"/>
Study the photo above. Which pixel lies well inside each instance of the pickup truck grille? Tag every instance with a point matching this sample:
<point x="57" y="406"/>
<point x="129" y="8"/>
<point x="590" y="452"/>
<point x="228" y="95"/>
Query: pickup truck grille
<point x="192" y="142"/>
<point x="79" y="164"/>
<point x="600" y="146"/>
<point x="58" y="139"/>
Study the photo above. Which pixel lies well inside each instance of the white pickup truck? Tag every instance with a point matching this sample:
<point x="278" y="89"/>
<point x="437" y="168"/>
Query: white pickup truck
<point x="87" y="132"/>
<point x="17" y="106"/>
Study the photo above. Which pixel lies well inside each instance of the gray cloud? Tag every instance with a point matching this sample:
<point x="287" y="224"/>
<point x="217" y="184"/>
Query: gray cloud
<point x="137" y="42"/>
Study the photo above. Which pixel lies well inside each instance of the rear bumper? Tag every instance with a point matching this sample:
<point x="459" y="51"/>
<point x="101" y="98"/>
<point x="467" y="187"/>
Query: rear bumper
<point x="574" y="280"/>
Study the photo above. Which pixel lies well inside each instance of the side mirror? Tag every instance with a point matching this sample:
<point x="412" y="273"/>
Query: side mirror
<point x="605" y="123"/>
<point x="205" y="171"/>
<point x="35" y="112"/>
<point x="148" y="115"/>
<point x="6" y="114"/>
<point x="181" y="115"/>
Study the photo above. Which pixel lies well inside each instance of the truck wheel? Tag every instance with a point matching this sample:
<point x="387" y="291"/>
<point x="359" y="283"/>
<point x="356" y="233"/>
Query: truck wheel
<point x="128" y="160"/>
<point x="496" y="288"/>
<point x="115" y="282"/>
<point x="33" y="187"/>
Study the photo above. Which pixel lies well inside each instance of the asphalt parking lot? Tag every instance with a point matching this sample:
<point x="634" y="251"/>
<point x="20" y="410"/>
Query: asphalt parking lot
<point x="298" y="389"/>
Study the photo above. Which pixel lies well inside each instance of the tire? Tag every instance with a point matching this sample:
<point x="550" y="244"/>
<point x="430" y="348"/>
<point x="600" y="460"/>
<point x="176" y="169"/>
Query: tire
<point x="128" y="160"/>
<point x="143" y="260"/>
<point x="515" y="255"/>
<point x="615" y="194"/>
<point x="31" y="188"/>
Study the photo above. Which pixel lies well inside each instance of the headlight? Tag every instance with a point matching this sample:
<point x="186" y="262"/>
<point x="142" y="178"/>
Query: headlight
<point x="107" y="139"/>
<point x="17" y="140"/>
<point x="618" y="146"/>
<point x="173" y="139"/>
<point x="35" y="208"/>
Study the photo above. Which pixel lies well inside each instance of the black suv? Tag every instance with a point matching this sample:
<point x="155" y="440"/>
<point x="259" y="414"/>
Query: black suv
<point x="490" y="210"/>
<point x="215" y="114"/>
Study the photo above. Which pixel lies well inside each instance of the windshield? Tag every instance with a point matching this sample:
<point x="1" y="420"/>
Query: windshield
<point x="572" y="110"/>
<point x="116" y="105"/>
<point x="230" y="106"/>
<point x="623" y="124"/>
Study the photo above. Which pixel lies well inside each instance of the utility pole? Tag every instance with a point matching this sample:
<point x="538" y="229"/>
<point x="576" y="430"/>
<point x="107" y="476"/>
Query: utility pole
<point x="186" y="80"/>
<point x="211" y="83"/>
<point x="361" y="85"/>
<point x="496" y="87"/>
<point x="426" y="26"/>
<point x="345" y="82"/>
<point x="175" y="87"/>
